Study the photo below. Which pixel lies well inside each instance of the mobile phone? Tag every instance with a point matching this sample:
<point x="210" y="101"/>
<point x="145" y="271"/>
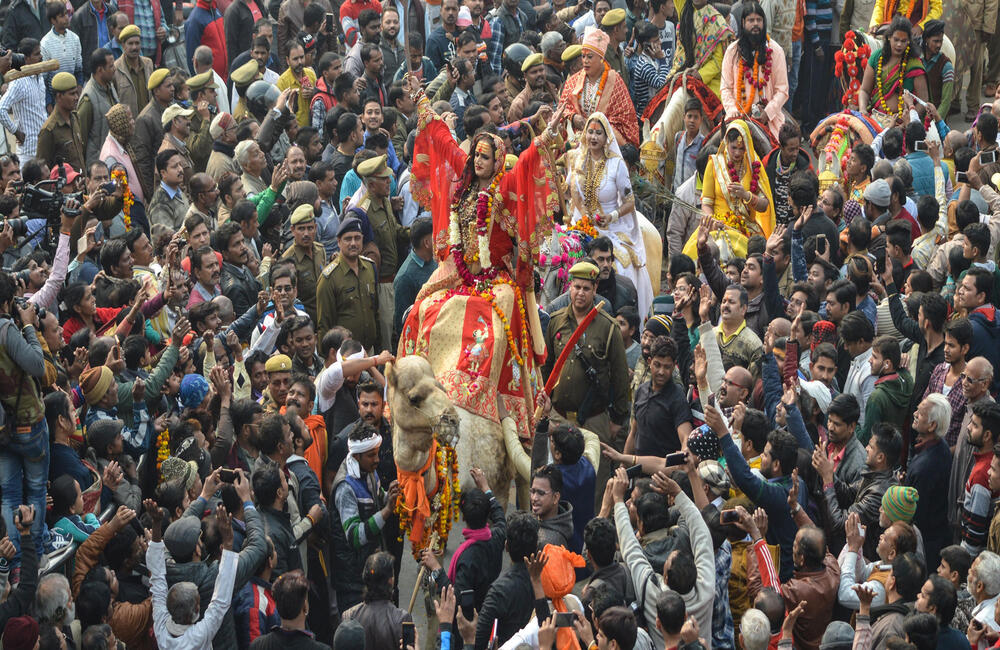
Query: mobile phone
<point x="820" y="244"/>
<point x="987" y="157"/>
<point x="467" y="601"/>
<point x="961" y="177"/>
<point x="920" y="145"/>
<point x="565" y="619"/>
<point x="676" y="458"/>
<point x="634" y="472"/>
<point x="227" y="475"/>
<point x="329" y="23"/>
<point x="409" y="634"/>
<point x="729" y="516"/>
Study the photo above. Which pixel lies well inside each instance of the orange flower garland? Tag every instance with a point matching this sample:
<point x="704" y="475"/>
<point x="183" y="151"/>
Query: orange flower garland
<point x="756" y="82"/>
<point x="585" y="225"/>
<point x="444" y="507"/>
<point x="162" y="448"/>
<point x="128" y="199"/>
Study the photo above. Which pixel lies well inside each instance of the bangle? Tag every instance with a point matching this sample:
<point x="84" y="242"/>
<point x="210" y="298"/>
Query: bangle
<point x="635" y="459"/>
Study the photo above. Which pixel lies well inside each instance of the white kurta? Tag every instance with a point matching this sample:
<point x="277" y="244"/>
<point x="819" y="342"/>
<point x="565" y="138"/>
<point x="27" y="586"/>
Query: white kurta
<point x="624" y="232"/>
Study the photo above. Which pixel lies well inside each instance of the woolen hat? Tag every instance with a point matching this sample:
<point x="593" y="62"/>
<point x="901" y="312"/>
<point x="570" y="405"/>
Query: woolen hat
<point x="181" y="537"/>
<point x="660" y="325"/>
<point x="20" y="633"/>
<point x="194" y="389"/>
<point x="878" y="193"/>
<point x="900" y="503"/>
<point x="704" y="444"/>
<point x="220" y="123"/>
<point x="839" y="635"/>
<point x="350" y="635"/>
<point x="177" y="469"/>
<point x="95" y="383"/>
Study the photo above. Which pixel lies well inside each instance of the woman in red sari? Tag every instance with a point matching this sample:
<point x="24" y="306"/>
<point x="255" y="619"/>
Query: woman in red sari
<point x="476" y="319"/>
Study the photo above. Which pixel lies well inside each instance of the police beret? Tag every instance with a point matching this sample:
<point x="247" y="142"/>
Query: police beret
<point x="199" y="81"/>
<point x="302" y="214"/>
<point x="278" y="363"/>
<point x="584" y="271"/>
<point x="246" y="73"/>
<point x="374" y="167"/>
<point x="127" y="32"/>
<point x="613" y="17"/>
<point x="348" y="225"/>
<point x="531" y="61"/>
<point x="571" y="52"/>
<point x="63" y="81"/>
<point x="157" y="78"/>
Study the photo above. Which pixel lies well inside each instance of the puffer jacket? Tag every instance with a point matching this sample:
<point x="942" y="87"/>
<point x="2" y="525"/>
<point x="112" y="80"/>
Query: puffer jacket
<point x="204" y="574"/>
<point x="559" y="529"/>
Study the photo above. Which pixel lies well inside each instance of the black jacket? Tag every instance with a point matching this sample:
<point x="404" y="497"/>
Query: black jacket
<point x="23" y="597"/>
<point x="480" y="563"/>
<point x="84" y="24"/>
<point x="238" y="22"/>
<point x="510" y="600"/>
<point x="239" y="285"/>
<point x="279" y="639"/>
<point x="278" y="526"/>
<point x="23" y="23"/>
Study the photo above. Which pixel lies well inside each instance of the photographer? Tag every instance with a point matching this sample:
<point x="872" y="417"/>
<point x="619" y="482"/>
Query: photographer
<point x="47" y="295"/>
<point x="24" y="438"/>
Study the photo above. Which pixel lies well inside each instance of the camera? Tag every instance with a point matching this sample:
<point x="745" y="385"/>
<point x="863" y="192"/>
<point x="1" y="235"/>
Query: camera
<point x="110" y="187"/>
<point x="23" y="276"/>
<point x="17" y="59"/>
<point x="45" y="204"/>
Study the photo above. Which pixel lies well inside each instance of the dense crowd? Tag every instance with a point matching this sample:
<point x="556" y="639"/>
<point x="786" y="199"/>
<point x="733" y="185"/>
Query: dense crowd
<point x="683" y="311"/>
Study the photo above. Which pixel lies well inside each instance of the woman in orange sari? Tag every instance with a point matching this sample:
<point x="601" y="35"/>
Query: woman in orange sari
<point x="476" y="319"/>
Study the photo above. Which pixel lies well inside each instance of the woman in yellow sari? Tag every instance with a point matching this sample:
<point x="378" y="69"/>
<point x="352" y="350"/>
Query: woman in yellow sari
<point x="735" y="193"/>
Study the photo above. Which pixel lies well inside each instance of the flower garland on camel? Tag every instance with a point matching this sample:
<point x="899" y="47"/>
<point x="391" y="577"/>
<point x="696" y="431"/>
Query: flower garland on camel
<point x="441" y="508"/>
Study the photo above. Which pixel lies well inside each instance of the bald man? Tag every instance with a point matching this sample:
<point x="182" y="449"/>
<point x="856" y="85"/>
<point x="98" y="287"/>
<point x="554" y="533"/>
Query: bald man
<point x="977" y="380"/>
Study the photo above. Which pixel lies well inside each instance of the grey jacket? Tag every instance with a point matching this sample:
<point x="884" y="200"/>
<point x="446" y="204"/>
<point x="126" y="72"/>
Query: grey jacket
<point x="558" y="530"/>
<point x="853" y="463"/>
<point x="98" y="131"/>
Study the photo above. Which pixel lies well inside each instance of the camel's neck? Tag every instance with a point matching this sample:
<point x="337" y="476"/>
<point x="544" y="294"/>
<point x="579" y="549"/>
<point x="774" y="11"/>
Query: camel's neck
<point x="410" y="451"/>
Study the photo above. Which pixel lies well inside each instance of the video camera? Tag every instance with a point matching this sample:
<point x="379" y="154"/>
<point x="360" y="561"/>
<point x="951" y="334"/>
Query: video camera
<point x="44" y="200"/>
<point x="17" y="60"/>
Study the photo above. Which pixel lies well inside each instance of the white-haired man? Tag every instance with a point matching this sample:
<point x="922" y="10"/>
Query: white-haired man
<point x="984" y="585"/>
<point x="928" y="471"/>
<point x="755" y="630"/>
<point x="976" y="382"/>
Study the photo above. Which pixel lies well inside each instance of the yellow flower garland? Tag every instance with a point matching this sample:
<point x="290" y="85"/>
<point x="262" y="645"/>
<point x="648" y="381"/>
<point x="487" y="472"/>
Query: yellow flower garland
<point x="444" y="507"/>
<point x="128" y="199"/>
<point x="162" y="448"/>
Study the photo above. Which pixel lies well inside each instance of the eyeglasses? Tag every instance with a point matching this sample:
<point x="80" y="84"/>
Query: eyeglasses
<point x="285" y="288"/>
<point x="735" y="385"/>
<point x="972" y="380"/>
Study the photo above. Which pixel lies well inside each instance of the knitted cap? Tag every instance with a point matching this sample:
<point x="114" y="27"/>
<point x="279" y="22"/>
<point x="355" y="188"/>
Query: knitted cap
<point x="95" y="383"/>
<point x="900" y="503"/>
<point x="704" y="444"/>
<point x="20" y="633"/>
<point x="660" y="325"/>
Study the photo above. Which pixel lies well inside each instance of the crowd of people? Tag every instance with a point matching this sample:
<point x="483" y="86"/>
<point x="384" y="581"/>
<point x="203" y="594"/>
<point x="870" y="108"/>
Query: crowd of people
<point x="225" y="226"/>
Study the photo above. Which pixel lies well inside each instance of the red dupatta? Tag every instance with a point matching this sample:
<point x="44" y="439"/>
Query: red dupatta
<point x="527" y="192"/>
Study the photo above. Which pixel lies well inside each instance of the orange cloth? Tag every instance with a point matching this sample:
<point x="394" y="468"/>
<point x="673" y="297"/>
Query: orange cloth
<point x="317" y="451"/>
<point x="558" y="578"/>
<point x="411" y="487"/>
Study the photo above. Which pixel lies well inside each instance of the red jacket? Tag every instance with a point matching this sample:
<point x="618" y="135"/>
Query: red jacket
<point x="104" y="317"/>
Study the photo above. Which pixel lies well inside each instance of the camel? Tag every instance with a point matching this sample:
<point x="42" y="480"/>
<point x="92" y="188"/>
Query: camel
<point x="420" y="407"/>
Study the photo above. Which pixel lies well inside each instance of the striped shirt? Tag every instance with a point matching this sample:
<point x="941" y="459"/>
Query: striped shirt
<point x="818" y="21"/>
<point x="648" y="76"/>
<point x="66" y="49"/>
<point x="26" y="98"/>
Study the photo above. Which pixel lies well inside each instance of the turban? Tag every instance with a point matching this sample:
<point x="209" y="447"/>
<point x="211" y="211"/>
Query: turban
<point x="359" y="447"/>
<point x="596" y="40"/>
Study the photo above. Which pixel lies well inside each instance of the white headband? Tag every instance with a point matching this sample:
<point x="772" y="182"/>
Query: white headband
<point x="360" y="354"/>
<point x="359" y="447"/>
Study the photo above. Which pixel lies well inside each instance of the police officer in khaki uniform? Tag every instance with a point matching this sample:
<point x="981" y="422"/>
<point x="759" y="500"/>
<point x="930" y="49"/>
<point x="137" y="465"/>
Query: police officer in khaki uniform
<point x="346" y="293"/>
<point x="389" y="234"/>
<point x="592" y="391"/>
<point x="279" y="380"/>
<point x="242" y="77"/>
<point x="615" y="27"/>
<point x="203" y="99"/>
<point x="60" y="135"/>
<point x="308" y="254"/>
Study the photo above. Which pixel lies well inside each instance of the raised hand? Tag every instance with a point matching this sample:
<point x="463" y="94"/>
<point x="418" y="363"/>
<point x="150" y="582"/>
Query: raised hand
<point x="445" y="606"/>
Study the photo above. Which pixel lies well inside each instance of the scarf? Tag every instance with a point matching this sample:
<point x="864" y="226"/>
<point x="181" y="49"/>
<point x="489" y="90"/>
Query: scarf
<point x="223" y="148"/>
<point x="471" y="535"/>
<point x="359" y="447"/>
<point x="411" y="487"/>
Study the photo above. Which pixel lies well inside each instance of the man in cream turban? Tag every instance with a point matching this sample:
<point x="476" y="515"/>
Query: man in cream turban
<point x="598" y="88"/>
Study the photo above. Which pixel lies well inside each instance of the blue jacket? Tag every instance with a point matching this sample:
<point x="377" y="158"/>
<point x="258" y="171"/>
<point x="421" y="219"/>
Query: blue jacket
<point x="986" y="340"/>
<point x="770" y="494"/>
<point x="923" y="172"/>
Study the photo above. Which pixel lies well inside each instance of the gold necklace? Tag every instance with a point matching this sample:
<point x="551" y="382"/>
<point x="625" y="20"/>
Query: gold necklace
<point x="593" y="175"/>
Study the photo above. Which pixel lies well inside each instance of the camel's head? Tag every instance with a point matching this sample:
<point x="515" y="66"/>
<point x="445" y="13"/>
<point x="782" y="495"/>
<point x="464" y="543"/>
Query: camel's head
<point x="419" y="404"/>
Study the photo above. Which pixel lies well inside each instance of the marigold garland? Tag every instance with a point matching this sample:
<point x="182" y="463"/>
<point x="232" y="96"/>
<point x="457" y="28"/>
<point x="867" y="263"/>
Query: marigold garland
<point x="162" y="448"/>
<point x="881" y="90"/>
<point x="755" y="79"/>
<point x="444" y="505"/>
<point x="585" y="225"/>
<point x="128" y="199"/>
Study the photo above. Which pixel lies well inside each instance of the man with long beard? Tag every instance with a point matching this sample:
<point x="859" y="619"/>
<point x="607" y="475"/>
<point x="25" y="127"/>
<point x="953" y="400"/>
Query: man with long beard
<point x="757" y="56"/>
